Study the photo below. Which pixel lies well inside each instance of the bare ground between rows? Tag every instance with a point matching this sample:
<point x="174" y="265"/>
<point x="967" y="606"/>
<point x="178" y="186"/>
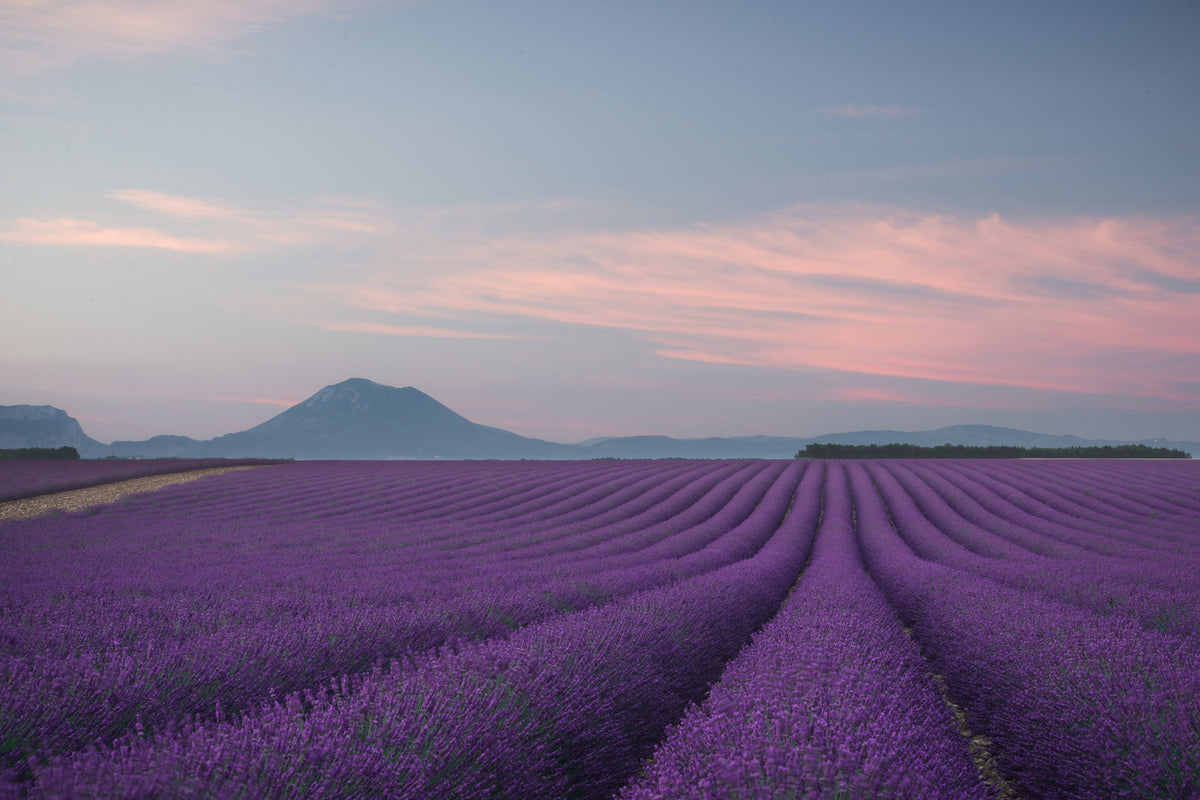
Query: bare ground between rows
<point x="79" y="499"/>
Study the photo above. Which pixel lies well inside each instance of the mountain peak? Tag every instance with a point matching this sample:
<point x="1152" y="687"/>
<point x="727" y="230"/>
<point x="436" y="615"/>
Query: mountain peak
<point x="365" y="385"/>
<point x="359" y="401"/>
<point x="27" y="413"/>
<point x="359" y="418"/>
<point x="356" y="393"/>
<point x="43" y="426"/>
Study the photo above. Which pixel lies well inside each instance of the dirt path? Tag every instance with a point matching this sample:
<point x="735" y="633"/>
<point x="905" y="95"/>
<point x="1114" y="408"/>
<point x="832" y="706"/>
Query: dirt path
<point x="78" y="499"/>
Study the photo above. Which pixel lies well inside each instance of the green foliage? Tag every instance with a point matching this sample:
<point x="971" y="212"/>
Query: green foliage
<point x="897" y="450"/>
<point x="63" y="453"/>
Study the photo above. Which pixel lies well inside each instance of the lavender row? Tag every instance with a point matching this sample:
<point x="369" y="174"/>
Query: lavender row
<point x="566" y="708"/>
<point x="245" y="630"/>
<point x="151" y="598"/>
<point x="219" y="552"/>
<point x="1093" y="525"/>
<point x="1015" y="531"/>
<point x="379" y="491"/>
<point x="830" y="699"/>
<point x="21" y="478"/>
<point x="1019" y="516"/>
<point x="363" y="499"/>
<point x="1037" y="490"/>
<point x="1077" y="705"/>
<point x="1131" y="485"/>
<point x="1149" y="534"/>
<point x="57" y="701"/>
<point x="1161" y="593"/>
<point x="986" y="525"/>
<point x="624" y="532"/>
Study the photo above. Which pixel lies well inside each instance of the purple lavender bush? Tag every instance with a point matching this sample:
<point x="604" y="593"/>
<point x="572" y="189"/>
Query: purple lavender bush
<point x="580" y="629"/>
<point x="564" y="708"/>
<point x="20" y="478"/>
<point x="159" y="645"/>
<point x="1077" y="705"/>
<point x="830" y="699"/>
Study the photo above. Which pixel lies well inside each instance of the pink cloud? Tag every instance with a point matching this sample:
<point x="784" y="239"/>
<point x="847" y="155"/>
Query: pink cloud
<point x="875" y="394"/>
<point x="410" y="330"/>
<point x="696" y="355"/>
<point x="265" y="401"/>
<point x="351" y="223"/>
<point x="985" y="301"/>
<point x="204" y="225"/>
<point x="69" y="231"/>
<point x="173" y="204"/>
<point x="36" y="35"/>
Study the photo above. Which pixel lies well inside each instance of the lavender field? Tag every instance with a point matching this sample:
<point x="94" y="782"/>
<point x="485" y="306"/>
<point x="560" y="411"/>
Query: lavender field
<point x="612" y="629"/>
<point x="29" y="477"/>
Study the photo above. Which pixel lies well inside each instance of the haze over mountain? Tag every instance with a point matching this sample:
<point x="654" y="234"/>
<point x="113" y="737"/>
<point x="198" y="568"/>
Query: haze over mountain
<point x="588" y="219"/>
<point x="361" y="419"/>
<point x="358" y="418"/>
<point x="44" y="426"/>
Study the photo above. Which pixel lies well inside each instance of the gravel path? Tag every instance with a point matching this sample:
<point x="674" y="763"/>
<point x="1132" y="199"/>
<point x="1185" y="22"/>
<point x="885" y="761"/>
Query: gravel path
<point x="97" y="495"/>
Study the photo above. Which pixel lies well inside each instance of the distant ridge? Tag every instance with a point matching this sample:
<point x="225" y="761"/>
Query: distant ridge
<point x="44" y="426"/>
<point x="361" y="419"/>
<point x="982" y="435"/>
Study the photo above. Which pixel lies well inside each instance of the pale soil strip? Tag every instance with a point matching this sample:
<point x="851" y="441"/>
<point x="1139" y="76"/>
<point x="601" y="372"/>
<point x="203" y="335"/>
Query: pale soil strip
<point x="979" y="745"/>
<point x="79" y="499"/>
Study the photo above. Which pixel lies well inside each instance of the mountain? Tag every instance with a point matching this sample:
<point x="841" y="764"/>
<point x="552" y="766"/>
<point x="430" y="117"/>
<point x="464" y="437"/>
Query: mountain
<point x="787" y="447"/>
<point x="44" y="426"/>
<point x="158" y="447"/>
<point x="985" y="435"/>
<point x="361" y="419"/>
<point x="978" y="435"/>
<point x="709" y="447"/>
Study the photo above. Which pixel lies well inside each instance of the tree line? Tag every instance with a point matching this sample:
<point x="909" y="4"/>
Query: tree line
<point x="64" y="453"/>
<point x="897" y="450"/>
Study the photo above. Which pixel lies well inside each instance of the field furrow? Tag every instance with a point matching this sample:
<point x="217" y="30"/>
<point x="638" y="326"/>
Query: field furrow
<point x="612" y="629"/>
<point x="1078" y="705"/>
<point x="1159" y="593"/>
<point x="147" y="656"/>
<point x="567" y="707"/>
<point x="830" y="699"/>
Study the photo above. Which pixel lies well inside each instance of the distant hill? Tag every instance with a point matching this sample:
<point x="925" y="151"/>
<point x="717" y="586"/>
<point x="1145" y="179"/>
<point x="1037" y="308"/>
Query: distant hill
<point x="710" y="447"/>
<point x="787" y="447"/>
<point x="361" y="419"/>
<point x="985" y="435"/>
<point x="980" y="435"/>
<point x="158" y="447"/>
<point x="44" y="426"/>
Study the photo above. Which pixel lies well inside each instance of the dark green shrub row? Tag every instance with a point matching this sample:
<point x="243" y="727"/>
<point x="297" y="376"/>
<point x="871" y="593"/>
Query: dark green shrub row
<point x="897" y="450"/>
<point x="63" y="453"/>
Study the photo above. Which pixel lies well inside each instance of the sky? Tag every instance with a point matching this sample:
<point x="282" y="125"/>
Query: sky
<point x="576" y="219"/>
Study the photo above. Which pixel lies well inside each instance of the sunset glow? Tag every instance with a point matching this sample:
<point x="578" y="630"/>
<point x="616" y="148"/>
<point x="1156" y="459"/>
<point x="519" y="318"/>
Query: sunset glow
<point x="551" y="218"/>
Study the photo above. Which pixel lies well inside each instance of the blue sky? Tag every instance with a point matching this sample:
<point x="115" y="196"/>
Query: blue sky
<point x="604" y="218"/>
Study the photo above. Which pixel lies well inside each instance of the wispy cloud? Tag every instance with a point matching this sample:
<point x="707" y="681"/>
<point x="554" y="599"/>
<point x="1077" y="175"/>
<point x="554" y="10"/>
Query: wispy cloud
<point x="412" y="330"/>
<point x="879" y="291"/>
<point x="1041" y="304"/>
<point x="36" y="35"/>
<point x="173" y="204"/>
<point x="263" y="401"/>
<point x="71" y="232"/>
<point x="935" y="394"/>
<point x="860" y="111"/>
<point x="201" y="225"/>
